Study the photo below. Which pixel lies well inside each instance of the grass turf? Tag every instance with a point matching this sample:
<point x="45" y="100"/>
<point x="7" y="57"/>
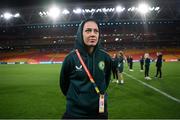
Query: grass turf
<point x="32" y="92"/>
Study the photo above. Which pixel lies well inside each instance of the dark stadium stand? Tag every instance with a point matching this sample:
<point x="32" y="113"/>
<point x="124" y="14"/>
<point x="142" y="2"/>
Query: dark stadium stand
<point x="34" y="38"/>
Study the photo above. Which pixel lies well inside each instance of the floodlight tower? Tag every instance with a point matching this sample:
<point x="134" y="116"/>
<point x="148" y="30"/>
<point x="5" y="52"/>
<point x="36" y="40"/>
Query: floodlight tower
<point x="54" y="12"/>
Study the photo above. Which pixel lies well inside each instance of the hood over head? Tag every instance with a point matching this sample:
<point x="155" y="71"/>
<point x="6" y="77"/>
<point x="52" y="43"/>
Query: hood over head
<point x="79" y="44"/>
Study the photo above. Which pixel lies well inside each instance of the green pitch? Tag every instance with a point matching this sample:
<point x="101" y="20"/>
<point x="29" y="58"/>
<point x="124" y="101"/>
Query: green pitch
<point x="32" y="92"/>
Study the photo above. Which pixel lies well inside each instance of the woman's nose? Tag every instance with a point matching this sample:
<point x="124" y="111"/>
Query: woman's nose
<point x="92" y="33"/>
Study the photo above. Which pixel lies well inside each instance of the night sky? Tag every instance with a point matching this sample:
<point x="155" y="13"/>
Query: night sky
<point x="30" y="3"/>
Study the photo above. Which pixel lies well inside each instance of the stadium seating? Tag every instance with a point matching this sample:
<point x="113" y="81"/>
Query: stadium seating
<point x="36" y="56"/>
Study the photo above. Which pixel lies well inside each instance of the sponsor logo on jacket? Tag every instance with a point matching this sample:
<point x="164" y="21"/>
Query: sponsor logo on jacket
<point x="78" y="68"/>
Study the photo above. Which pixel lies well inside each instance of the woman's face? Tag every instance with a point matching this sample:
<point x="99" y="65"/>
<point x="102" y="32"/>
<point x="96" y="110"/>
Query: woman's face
<point x="90" y="33"/>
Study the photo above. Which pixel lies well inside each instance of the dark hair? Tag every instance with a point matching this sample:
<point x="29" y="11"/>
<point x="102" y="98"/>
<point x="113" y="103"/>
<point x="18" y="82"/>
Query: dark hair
<point x="87" y="20"/>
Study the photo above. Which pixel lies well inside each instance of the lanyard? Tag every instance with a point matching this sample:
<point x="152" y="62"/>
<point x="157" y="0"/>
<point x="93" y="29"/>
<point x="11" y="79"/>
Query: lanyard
<point x="87" y="71"/>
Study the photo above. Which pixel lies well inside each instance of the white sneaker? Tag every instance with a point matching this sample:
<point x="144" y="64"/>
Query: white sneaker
<point x="122" y="81"/>
<point x="148" y="78"/>
<point x="117" y="81"/>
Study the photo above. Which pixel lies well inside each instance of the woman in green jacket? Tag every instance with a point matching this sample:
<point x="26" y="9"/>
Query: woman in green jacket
<point x="83" y="98"/>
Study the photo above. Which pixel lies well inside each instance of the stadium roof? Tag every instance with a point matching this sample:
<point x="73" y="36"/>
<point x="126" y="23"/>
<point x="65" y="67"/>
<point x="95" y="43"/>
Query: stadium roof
<point x="30" y="3"/>
<point x="28" y="12"/>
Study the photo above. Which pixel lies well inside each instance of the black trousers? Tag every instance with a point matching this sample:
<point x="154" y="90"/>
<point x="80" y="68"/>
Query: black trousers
<point x="158" y="72"/>
<point x="99" y="116"/>
<point x="146" y="70"/>
<point x="115" y="74"/>
<point x="141" y="66"/>
<point x="131" y="65"/>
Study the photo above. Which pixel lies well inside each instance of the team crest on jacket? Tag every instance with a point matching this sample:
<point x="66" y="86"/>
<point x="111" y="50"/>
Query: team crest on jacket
<point x="101" y="65"/>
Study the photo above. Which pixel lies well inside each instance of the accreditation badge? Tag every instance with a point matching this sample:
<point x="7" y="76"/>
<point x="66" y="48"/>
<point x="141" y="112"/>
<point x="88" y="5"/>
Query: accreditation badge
<point x="101" y="103"/>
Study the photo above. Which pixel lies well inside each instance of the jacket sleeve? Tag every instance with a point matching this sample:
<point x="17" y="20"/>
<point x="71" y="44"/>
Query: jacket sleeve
<point x="64" y="76"/>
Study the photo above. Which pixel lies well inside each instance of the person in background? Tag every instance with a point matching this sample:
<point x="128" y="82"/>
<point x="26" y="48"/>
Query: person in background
<point x="147" y="65"/>
<point x="141" y="63"/>
<point x="85" y="75"/>
<point x="120" y="66"/>
<point x="114" y="68"/>
<point x="131" y="63"/>
<point x="159" y="65"/>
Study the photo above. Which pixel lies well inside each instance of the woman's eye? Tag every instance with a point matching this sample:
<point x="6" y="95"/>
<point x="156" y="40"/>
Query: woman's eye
<point x="88" y="30"/>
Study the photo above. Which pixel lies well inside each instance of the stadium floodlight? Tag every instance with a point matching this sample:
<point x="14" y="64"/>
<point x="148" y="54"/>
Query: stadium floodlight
<point x="157" y="8"/>
<point x="104" y="10"/>
<point x="151" y="9"/>
<point x="7" y="15"/>
<point x="89" y="10"/>
<point x="77" y="11"/>
<point x="116" y="39"/>
<point x="54" y="12"/>
<point x="143" y="8"/>
<point x="65" y="12"/>
<point x="44" y="13"/>
<point x="119" y="9"/>
<point x="17" y="15"/>
<point x="132" y="8"/>
<point x="40" y="13"/>
<point x="129" y="9"/>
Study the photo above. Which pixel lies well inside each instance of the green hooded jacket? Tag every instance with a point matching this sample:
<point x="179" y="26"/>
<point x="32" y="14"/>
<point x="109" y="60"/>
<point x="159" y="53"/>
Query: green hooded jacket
<point x="82" y="99"/>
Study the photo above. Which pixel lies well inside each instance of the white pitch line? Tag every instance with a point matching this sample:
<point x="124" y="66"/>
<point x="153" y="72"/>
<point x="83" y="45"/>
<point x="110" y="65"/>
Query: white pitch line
<point x="163" y="93"/>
